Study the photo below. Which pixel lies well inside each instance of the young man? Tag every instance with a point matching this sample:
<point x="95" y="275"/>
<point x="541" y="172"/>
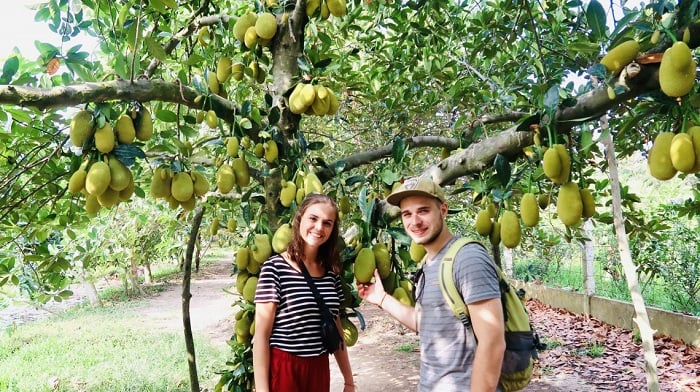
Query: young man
<point x="451" y="359"/>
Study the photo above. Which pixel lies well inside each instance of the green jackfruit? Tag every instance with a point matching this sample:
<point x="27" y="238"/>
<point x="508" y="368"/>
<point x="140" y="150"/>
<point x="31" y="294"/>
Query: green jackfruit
<point x="417" y="251"/>
<point x="365" y="265"/>
<point x="98" y="178"/>
<point x="569" y="204"/>
<point x="281" y="238"/>
<point x="529" y="210"/>
<point x="483" y="222"/>
<point x="104" y="138"/>
<point x="261" y="248"/>
<point x="510" y="229"/>
<point x="225" y="178"/>
<point x="182" y="187"/>
<point x="80" y="128"/>
<point x="382" y="258"/>
<point x="682" y="153"/>
<point x="249" y="289"/>
<point x="659" y="159"/>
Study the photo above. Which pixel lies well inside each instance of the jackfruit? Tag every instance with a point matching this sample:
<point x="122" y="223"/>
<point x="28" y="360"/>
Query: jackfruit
<point x="126" y="133"/>
<point x="241" y="171"/>
<point x="620" y="56"/>
<point x="76" y="183"/>
<point x="271" y="151"/>
<point x="483" y="222"/>
<point x="108" y="198"/>
<point x="125" y="194"/>
<point x="160" y="183"/>
<point x="188" y="205"/>
<point x="569" y="204"/>
<point x="97" y="179"/>
<point x="677" y="70"/>
<point x="144" y="125"/>
<point x="261" y="248"/>
<point x="281" y="238"/>
<point x="266" y="25"/>
<point x="80" y="128"/>
<point x="253" y="266"/>
<point x="231" y="225"/>
<point x="249" y="288"/>
<point x="242" y="24"/>
<point x="312" y="184"/>
<point x="204" y="36"/>
<point x="182" y="188"/>
<point x="390" y="282"/>
<point x="382" y="259"/>
<point x="344" y="205"/>
<point x="682" y="153"/>
<point x="495" y="235"/>
<point x="337" y="8"/>
<point x="214" y="228"/>
<point x="237" y="71"/>
<point x="588" y="203"/>
<point x="120" y="175"/>
<point x="659" y="159"/>
<point x="92" y="205"/>
<point x="565" y="162"/>
<point x="551" y="164"/>
<point x="417" y="251"/>
<point x="333" y="103"/>
<point x="529" y="210"/>
<point x="510" y="229"/>
<point x="311" y="7"/>
<point x="287" y="193"/>
<point x="200" y="184"/>
<point x="402" y="296"/>
<point x="223" y="69"/>
<point x="251" y="38"/>
<point x="232" y="146"/>
<point x="104" y="138"/>
<point x="225" y="178"/>
<point x="543" y="200"/>
<point x="364" y="265"/>
<point x="242" y="258"/>
<point x="213" y="82"/>
<point x="694" y="133"/>
<point x="349" y="332"/>
<point x="211" y="119"/>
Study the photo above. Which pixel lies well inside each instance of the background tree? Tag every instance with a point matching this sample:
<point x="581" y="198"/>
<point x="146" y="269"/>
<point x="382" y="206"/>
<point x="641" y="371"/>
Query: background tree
<point x="472" y="95"/>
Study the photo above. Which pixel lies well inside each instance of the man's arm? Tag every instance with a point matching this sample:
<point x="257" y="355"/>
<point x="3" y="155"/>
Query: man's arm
<point x="487" y="321"/>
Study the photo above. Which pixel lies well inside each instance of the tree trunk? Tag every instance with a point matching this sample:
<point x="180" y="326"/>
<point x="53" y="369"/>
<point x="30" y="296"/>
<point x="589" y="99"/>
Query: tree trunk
<point x="642" y="318"/>
<point x="186" y="295"/>
<point x="90" y="289"/>
<point x="588" y="259"/>
<point x="133" y="275"/>
<point x="147" y="274"/>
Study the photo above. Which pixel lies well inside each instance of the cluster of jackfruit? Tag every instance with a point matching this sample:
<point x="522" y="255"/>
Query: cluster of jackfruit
<point x="179" y="189"/>
<point x="108" y="181"/>
<point x="313" y="99"/>
<point x="379" y="257"/>
<point x="672" y="153"/>
<point x="245" y="325"/>
<point x="105" y="183"/>
<point x="255" y="29"/>
<point x="86" y="133"/>
<point x="238" y="172"/>
<point x="326" y="8"/>
<point x="295" y="191"/>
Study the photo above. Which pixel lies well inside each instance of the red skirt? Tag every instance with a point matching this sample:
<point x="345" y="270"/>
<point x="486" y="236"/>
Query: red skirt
<point x="290" y="373"/>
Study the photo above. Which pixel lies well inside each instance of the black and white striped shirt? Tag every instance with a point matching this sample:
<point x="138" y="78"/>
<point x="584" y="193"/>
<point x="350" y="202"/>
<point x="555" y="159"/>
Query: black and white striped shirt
<point x="297" y="325"/>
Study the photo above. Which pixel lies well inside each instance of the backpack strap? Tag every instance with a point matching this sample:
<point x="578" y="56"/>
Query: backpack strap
<point x="447" y="283"/>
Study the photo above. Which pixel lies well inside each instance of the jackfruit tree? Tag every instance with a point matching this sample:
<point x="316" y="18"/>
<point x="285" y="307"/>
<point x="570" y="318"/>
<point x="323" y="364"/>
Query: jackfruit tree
<point x="246" y="106"/>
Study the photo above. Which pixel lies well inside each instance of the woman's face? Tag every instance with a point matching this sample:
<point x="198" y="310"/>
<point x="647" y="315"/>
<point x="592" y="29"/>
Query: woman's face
<point x="317" y="224"/>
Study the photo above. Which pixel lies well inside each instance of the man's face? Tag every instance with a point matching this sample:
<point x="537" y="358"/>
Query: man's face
<point x="423" y="218"/>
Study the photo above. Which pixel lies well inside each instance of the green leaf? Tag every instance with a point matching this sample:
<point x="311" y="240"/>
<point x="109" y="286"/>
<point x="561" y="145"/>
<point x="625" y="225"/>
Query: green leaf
<point x="316" y="146"/>
<point x="398" y="150"/>
<point x="595" y="16"/>
<point x="551" y="99"/>
<point x="155" y="49"/>
<point x="9" y="69"/>
<point x="502" y="167"/>
<point x="166" y="116"/>
<point x="127" y="154"/>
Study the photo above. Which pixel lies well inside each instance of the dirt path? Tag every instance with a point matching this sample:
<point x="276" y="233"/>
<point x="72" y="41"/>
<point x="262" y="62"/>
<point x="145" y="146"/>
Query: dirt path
<point x="386" y="358"/>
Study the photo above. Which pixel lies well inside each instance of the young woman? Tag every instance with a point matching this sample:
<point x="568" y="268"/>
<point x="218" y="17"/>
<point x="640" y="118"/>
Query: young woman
<point x="288" y="355"/>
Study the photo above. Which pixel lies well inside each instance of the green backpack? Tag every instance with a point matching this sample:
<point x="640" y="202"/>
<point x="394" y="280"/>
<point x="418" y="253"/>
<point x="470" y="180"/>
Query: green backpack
<point x="522" y="342"/>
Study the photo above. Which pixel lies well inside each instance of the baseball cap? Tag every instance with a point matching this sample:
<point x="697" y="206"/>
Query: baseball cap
<point x="417" y="186"/>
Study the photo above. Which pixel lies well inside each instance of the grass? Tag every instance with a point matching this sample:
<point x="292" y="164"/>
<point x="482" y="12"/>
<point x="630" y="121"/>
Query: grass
<point x="100" y="350"/>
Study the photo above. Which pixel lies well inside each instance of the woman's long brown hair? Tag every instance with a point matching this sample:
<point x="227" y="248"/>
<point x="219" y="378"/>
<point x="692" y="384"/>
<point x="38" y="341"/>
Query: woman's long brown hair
<point x="328" y="252"/>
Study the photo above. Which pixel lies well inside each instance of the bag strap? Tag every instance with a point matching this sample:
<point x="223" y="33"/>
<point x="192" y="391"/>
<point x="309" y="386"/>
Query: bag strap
<point x="314" y="290"/>
<point x="449" y="291"/>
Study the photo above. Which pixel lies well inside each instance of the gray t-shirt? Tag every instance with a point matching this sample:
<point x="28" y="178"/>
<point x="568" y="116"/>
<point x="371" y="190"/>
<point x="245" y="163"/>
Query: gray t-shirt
<point x="447" y="348"/>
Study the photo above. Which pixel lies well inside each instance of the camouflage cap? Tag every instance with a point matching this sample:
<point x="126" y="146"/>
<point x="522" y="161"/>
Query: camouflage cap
<point x="417" y="186"/>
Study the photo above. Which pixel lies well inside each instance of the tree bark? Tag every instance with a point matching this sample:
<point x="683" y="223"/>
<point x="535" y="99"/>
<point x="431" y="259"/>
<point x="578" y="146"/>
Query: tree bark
<point x="642" y="318"/>
<point x="186" y="295"/>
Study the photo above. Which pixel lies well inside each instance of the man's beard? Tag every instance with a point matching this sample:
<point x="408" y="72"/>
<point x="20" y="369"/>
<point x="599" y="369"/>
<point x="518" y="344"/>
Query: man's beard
<point x="433" y="237"/>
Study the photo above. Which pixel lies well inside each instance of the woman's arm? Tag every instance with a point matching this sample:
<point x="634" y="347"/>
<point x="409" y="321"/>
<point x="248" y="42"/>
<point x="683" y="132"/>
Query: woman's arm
<point x="264" y="319"/>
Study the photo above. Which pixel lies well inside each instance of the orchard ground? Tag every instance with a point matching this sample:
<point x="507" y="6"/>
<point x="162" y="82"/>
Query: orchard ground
<point x="584" y="354"/>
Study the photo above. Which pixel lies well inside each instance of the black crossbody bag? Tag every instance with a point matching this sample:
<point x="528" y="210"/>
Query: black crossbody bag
<point x="329" y="331"/>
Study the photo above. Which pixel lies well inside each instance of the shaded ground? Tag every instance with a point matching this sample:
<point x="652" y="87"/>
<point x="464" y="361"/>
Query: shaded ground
<point x="585" y="354"/>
